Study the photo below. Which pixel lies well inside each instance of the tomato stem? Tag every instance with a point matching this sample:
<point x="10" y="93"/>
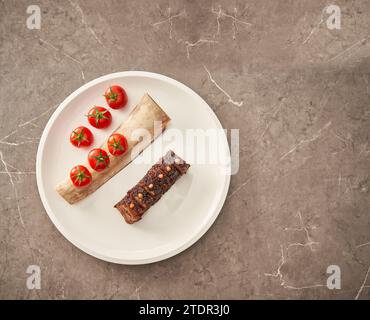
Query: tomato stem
<point x="79" y="137"/>
<point x="100" y="158"/>
<point x="80" y="176"/>
<point x="116" y="145"/>
<point x="111" y="96"/>
<point x="98" y="115"/>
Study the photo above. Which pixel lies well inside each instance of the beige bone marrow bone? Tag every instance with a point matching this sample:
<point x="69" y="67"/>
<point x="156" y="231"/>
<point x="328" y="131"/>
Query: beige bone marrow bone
<point x="145" y="115"/>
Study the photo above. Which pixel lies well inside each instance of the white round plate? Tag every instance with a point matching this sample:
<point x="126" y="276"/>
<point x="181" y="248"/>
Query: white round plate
<point x="175" y="222"/>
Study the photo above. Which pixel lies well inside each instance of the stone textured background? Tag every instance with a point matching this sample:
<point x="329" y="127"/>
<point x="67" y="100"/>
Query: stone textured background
<point x="299" y="93"/>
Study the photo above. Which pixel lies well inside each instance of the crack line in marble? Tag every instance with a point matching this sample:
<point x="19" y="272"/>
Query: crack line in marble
<point x="17" y="143"/>
<point x="78" y="9"/>
<point x="9" y="135"/>
<point x="220" y="13"/>
<point x="136" y="292"/>
<point x="315" y="28"/>
<point x="31" y="138"/>
<point x="351" y="185"/>
<point x="304" y="228"/>
<point x="278" y="108"/>
<point x="169" y="20"/>
<point x="349" y="49"/>
<point x="339" y="184"/>
<point x="305" y="287"/>
<point x="14" y="188"/>
<point x="304" y="141"/>
<point x="309" y="243"/>
<point x="242" y="185"/>
<point x="23" y="124"/>
<point x="58" y="50"/>
<point x="363" y="285"/>
<point x="18" y="172"/>
<point x="79" y="63"/>
<point x="197" y="43"/>
<point x="339" y="137"/>
<point x="278" y="274"/>
<point x="30" y="122"/>
<point x="236" y="103"/>
<point x="363" y="245"/>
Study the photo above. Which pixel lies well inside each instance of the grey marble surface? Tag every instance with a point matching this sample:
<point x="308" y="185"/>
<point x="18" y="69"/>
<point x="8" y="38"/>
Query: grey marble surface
<point x="299" y="93"/>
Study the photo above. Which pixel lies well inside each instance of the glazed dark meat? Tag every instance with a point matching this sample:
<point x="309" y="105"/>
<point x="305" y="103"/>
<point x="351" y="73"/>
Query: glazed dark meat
<point x="157" y="181"/>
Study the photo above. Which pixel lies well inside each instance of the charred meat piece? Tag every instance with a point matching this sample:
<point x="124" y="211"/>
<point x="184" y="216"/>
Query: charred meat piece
<point x="157" y="181"/>
<point x="131" y="211"/>
<point x="154" y="190"/>
<point x="141" y="196"/>
<point x="160" y="178"/>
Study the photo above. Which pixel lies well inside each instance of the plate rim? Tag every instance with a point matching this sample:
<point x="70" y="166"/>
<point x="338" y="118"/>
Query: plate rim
<point x="54" y="219"/>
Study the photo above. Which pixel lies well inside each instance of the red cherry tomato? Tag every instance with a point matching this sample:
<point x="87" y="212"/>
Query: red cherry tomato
<point x="99" y="117"/>
<point x="116" y="97"/>
<point x="98" y="159"/>
<point x="117" y="144"/>
<point x="80" y="176"/>
<point x="81" y="137"/>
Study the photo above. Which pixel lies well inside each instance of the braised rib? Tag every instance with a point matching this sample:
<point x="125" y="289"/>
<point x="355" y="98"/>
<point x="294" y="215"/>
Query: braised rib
<point x="157" y="181"/>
